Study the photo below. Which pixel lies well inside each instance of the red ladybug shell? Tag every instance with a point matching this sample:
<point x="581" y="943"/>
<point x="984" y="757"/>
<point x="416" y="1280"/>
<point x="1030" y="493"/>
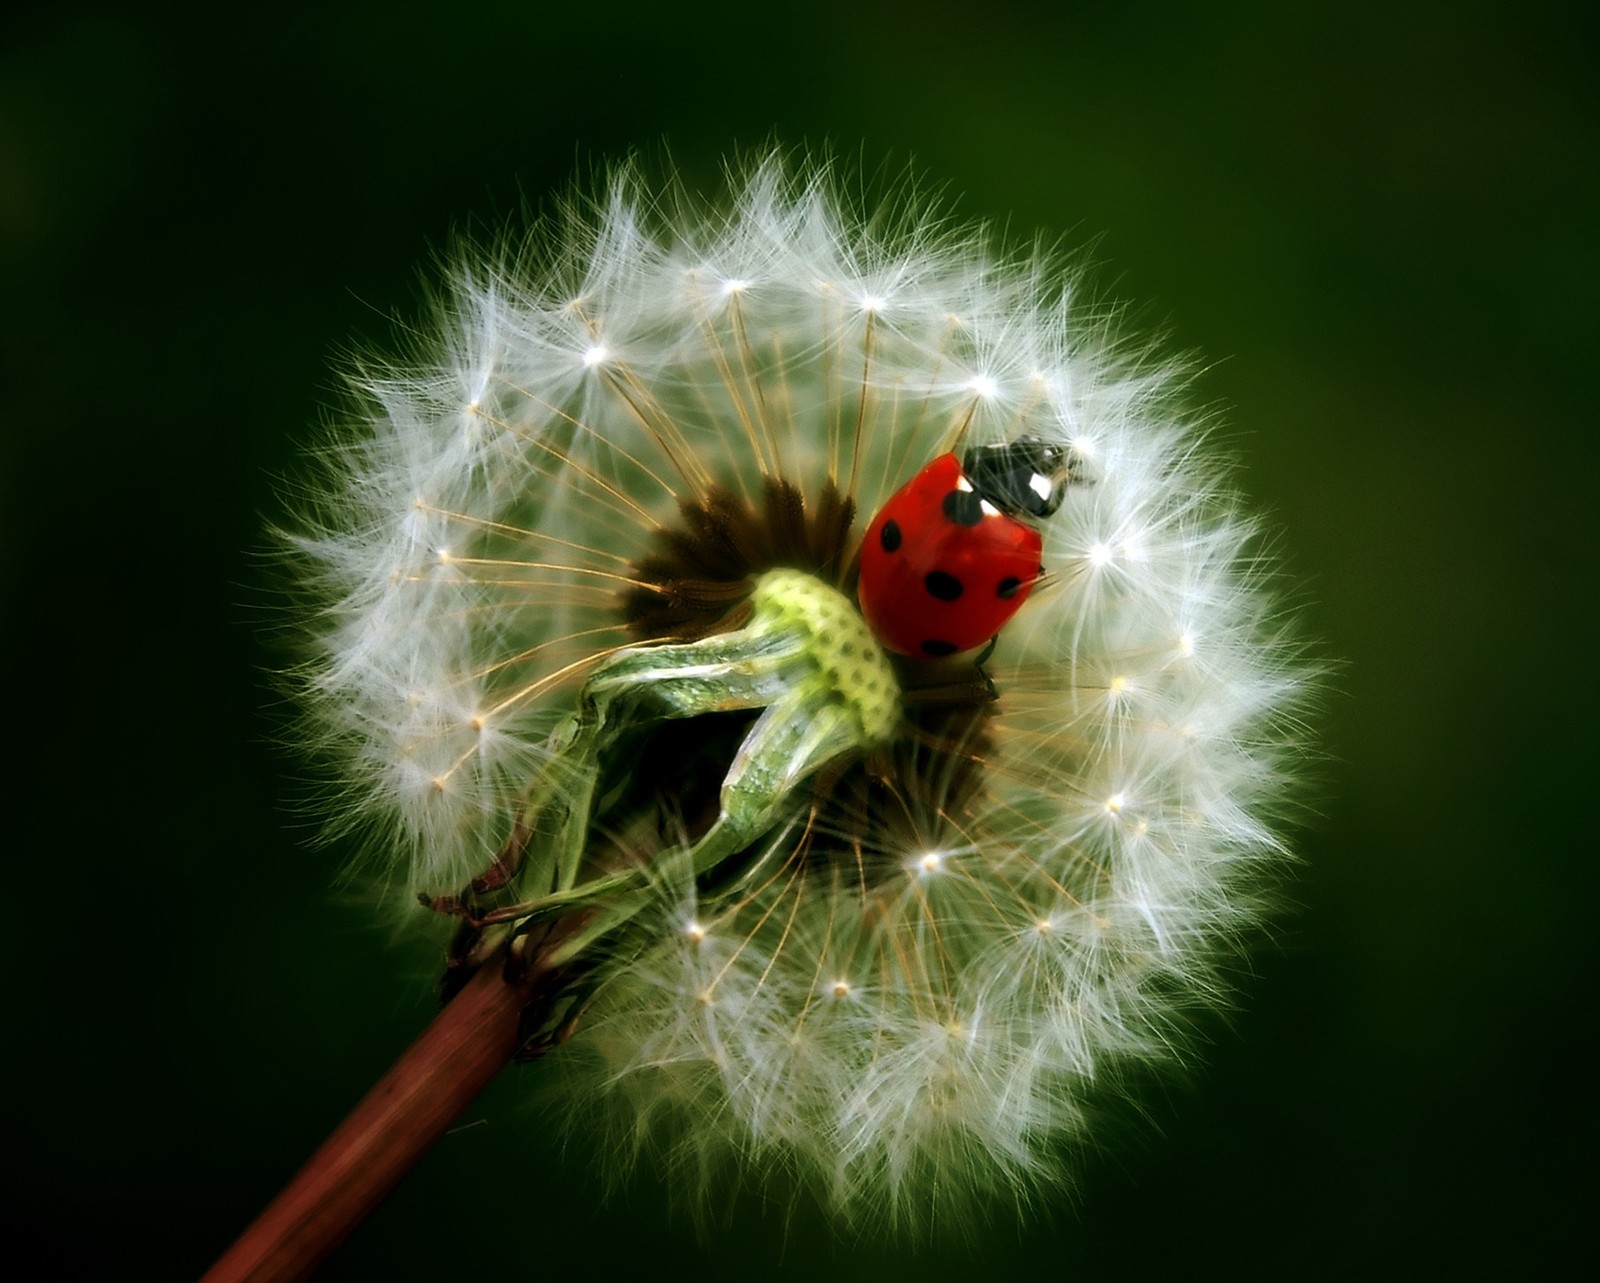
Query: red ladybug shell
<point x="942" y="569"/>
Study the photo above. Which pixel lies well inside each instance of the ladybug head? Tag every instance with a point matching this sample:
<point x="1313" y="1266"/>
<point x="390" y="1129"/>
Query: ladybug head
<point x="1027" y="477"/>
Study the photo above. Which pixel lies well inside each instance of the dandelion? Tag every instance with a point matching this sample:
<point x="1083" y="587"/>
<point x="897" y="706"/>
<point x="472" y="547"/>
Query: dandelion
<point x="598" y="683"/>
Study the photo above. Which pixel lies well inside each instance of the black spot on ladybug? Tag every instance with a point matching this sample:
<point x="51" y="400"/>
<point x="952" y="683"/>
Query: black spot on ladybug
<point x="1008" y="587"/>
<point x="937" y="648"/>
<point x="945" y="587"/>
<point x="963" y="507"/>
<point x="889" y="536"/>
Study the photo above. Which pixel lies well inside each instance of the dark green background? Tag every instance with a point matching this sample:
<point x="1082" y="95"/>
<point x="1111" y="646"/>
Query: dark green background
<point x="1378" y="228"/>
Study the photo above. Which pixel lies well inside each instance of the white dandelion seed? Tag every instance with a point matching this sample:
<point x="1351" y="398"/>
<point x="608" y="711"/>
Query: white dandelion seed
<point x="955" y="896"/>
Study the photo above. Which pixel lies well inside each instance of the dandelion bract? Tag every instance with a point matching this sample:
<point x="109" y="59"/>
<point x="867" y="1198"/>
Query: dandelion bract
<point x="617" y="482"/>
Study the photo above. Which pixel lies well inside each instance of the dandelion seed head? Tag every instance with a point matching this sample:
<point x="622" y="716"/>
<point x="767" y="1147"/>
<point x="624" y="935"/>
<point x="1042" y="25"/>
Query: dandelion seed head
<point x="913" y="988"/>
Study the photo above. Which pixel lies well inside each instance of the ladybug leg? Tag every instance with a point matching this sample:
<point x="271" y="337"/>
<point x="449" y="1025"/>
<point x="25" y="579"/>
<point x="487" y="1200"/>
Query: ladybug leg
<point x="983" y="658"/>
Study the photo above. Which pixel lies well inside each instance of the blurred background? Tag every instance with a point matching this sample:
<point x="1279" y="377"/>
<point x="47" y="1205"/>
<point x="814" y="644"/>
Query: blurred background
<point x="1377" y="226"/>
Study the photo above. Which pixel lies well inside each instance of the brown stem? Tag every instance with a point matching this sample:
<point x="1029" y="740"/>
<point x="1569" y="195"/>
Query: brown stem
<point x="383" y="1137"/>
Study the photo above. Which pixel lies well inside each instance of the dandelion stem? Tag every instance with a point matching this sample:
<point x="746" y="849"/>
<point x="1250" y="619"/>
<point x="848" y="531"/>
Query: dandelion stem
<point x="467" y="1044"/>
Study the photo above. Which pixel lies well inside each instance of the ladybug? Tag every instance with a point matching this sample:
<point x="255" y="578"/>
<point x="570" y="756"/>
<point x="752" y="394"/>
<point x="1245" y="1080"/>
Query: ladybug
<point x="952" y="555"/>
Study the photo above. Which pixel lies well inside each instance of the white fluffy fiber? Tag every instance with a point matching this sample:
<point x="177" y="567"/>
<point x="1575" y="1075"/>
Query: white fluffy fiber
<point x="901" y="1051"/>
